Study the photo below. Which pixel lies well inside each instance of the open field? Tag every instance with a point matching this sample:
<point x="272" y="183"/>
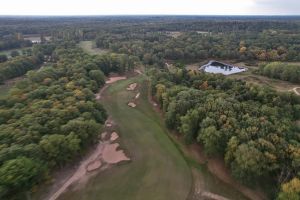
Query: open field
<point x="89" y="47"/>
<point x="279" y="85"/>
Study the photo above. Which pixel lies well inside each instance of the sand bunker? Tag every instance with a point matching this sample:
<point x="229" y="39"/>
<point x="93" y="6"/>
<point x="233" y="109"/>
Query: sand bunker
<point x="137" y="95"/>
<point x="94" y="165"/>
<point x="114" y="79"/>
<point x="112" y="156"/>
<point x="108" y="125"/>
<point x="131" y="87"/>
<point x="212" y="196"/>
<point x="114" y="136"/>
<point x="297" y="90"/>
<point x="131" y="104"/>
<point x="98" y="96"/>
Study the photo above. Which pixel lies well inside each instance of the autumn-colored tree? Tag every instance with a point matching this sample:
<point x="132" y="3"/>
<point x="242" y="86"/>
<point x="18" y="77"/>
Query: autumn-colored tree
<point x="290" y="190"/>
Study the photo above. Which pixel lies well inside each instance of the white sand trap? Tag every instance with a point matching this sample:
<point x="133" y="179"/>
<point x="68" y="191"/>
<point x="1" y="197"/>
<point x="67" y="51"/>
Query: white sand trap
<point x="112" y="156"/>
<point x="114" y="136"/>
<point x="212" y="196"/>
<point x="108" y="125"/>
<point x="114" y="79"/>
<point x="137" y="95"/>
<point x="94" y="165"/>
<point x="131" y="104"/>
<point x="98" y="96"/>
<point x="131" y="87"/>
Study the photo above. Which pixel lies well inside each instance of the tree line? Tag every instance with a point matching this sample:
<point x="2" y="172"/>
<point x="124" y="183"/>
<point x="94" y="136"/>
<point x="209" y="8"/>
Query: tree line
<point x="18" y="67"/>
<point x="252" y="127"/>
<point x="155" y="47"/>
<point x="12" y="42"/>
<point x="282" y="71"/>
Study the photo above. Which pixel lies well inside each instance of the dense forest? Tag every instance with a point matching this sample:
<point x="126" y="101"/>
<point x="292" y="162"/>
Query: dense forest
<point x="251" y="126"/>
<point x="18" y="67"/>
<point x="152" y="39"/>
<point x="91" y="25"/>
<point x="155" y="47"/>
<point x="12" y="42"/>
<point x="52" y="115"/>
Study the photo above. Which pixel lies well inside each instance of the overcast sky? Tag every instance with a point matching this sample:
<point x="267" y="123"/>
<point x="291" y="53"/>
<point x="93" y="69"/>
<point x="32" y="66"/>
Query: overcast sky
<point x="167" y="7"/>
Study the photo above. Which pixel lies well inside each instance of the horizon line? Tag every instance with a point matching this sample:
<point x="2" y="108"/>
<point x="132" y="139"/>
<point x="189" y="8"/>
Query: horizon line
<point x="199" y="15"/>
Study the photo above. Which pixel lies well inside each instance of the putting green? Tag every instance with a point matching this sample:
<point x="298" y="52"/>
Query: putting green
<point x="157" y="170"/>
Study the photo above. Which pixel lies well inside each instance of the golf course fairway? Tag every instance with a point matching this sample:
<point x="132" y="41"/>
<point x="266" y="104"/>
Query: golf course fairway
<point x="157" y="170"/>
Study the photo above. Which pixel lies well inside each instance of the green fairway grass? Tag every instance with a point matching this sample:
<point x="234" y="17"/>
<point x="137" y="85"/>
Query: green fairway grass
<point x="157" y="170"/>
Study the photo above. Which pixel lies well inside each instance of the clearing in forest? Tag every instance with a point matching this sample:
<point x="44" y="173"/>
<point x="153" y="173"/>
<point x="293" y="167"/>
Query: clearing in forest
<point x="91" y="48"/>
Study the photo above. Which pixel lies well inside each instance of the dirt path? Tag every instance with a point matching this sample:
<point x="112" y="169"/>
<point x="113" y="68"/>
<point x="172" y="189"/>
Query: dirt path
<point x="99" y="93"/>
<point x="102" y="157"/>
<point x="80" y="172"/>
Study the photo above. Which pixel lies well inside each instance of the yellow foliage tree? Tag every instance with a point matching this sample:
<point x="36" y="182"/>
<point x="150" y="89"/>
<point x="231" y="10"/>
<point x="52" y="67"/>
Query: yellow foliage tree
<point x="204" y="85"/>
<point x="290" y="190"/>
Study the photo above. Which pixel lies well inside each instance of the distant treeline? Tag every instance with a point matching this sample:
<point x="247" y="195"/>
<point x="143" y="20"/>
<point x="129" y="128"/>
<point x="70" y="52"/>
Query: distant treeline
<point x="155" y="47"/>
<point x="18" y="67"/>
<point x="243" y="38"/>
<point x="92" y="25"/>
<point x="12" y="42"/>
<point x="282" y="71"/>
